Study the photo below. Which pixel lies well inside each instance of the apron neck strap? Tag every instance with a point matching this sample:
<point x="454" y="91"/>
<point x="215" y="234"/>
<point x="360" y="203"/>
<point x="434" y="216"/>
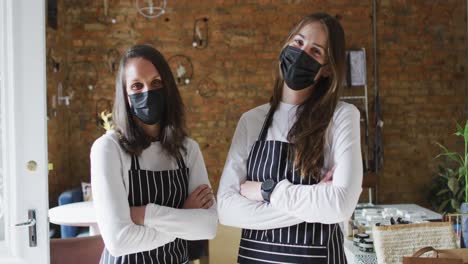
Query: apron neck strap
<point x="135" y="163"/>
<point x="180" y="162"/>
<point x="266" y="125"/>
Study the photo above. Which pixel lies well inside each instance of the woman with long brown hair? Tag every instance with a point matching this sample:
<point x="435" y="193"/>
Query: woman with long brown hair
<point x="146" y="173"/>
<point x="294" y="169"/>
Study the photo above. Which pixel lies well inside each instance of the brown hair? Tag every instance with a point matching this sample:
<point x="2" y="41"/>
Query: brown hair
<point x="173" y="131"/>
<point x="308" y="134"/>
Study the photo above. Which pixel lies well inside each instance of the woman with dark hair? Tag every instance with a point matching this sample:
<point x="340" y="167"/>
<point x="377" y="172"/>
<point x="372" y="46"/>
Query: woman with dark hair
<point x="150" y="186"/>
<point x="294" y="169"/>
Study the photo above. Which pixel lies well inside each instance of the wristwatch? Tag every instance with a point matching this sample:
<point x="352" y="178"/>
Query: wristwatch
<point x="267" y="188"/>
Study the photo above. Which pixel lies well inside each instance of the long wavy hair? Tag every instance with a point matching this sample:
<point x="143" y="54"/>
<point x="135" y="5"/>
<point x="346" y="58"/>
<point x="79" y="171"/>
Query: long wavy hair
<point x="173" y="130"/>
<point x="308" y="134"/>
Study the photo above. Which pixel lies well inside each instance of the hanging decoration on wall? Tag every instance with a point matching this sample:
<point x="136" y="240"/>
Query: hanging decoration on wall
<point x="103" y="14"/>
<point x="151" y="8"/>
<point x="52" y="61"/>
<point x="54" y="64"/>
<point x="61" y="98"/>
<point x="207" y="88"/>
<point x="82" y="75"/>
<point x="112" y="59"/>
<point x="200" y="33"/>
<point x="102" y="104"/>
<point x="182" y="69"/>
<point x="356" y="70"/>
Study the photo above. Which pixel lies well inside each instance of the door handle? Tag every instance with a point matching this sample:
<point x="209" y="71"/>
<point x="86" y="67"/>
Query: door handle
<point x="31" y="224"/>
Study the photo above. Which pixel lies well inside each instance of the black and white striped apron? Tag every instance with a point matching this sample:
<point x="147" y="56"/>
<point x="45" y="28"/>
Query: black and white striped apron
<point x="167" y="188"/>
<point x="301" y="243"/>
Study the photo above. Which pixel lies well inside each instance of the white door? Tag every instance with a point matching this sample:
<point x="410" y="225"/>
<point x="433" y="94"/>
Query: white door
<point x="23" y="132"/>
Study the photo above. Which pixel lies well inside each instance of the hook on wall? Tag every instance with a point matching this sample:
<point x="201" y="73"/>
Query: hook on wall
<point x="200" y="33"/>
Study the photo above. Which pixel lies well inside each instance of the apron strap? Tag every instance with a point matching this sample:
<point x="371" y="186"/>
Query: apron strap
<point x="266" y="125"/>
<point x="180" y="162"/>
<point x="135" y="163"/>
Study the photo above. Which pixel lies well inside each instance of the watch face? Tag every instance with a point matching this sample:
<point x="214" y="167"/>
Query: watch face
<point x="268" y="185"/>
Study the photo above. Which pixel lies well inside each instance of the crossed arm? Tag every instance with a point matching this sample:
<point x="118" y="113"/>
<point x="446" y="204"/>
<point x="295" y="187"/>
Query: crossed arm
<point x="162" y="224"/>
<point x="331" y="201"/>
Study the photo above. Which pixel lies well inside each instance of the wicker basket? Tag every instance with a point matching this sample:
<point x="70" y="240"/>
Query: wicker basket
<point x="393" y="242"/>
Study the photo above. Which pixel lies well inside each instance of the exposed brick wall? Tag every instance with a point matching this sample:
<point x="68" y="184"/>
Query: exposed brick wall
<point x="422" y="78"/>
<point x="422" y="47"/>
<point x="60" y="152"/>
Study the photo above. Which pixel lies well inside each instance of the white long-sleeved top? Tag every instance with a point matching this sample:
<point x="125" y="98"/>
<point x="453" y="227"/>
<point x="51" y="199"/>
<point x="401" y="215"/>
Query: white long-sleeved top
<point x="293" y="204"/>
<point x="110" y="166"/>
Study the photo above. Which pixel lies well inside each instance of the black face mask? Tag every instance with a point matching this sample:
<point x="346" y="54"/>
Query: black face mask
<point x="148" y="106"/>
<point x="298" y="68"/>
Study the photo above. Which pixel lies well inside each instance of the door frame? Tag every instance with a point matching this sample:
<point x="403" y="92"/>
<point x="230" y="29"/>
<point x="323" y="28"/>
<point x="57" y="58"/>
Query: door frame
<point x="24" y="128"/>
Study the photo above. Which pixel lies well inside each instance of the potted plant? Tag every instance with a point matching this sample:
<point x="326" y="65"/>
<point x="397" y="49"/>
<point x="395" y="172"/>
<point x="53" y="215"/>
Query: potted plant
<point x="447" y="191"/>
<point x="461" y="161"/>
